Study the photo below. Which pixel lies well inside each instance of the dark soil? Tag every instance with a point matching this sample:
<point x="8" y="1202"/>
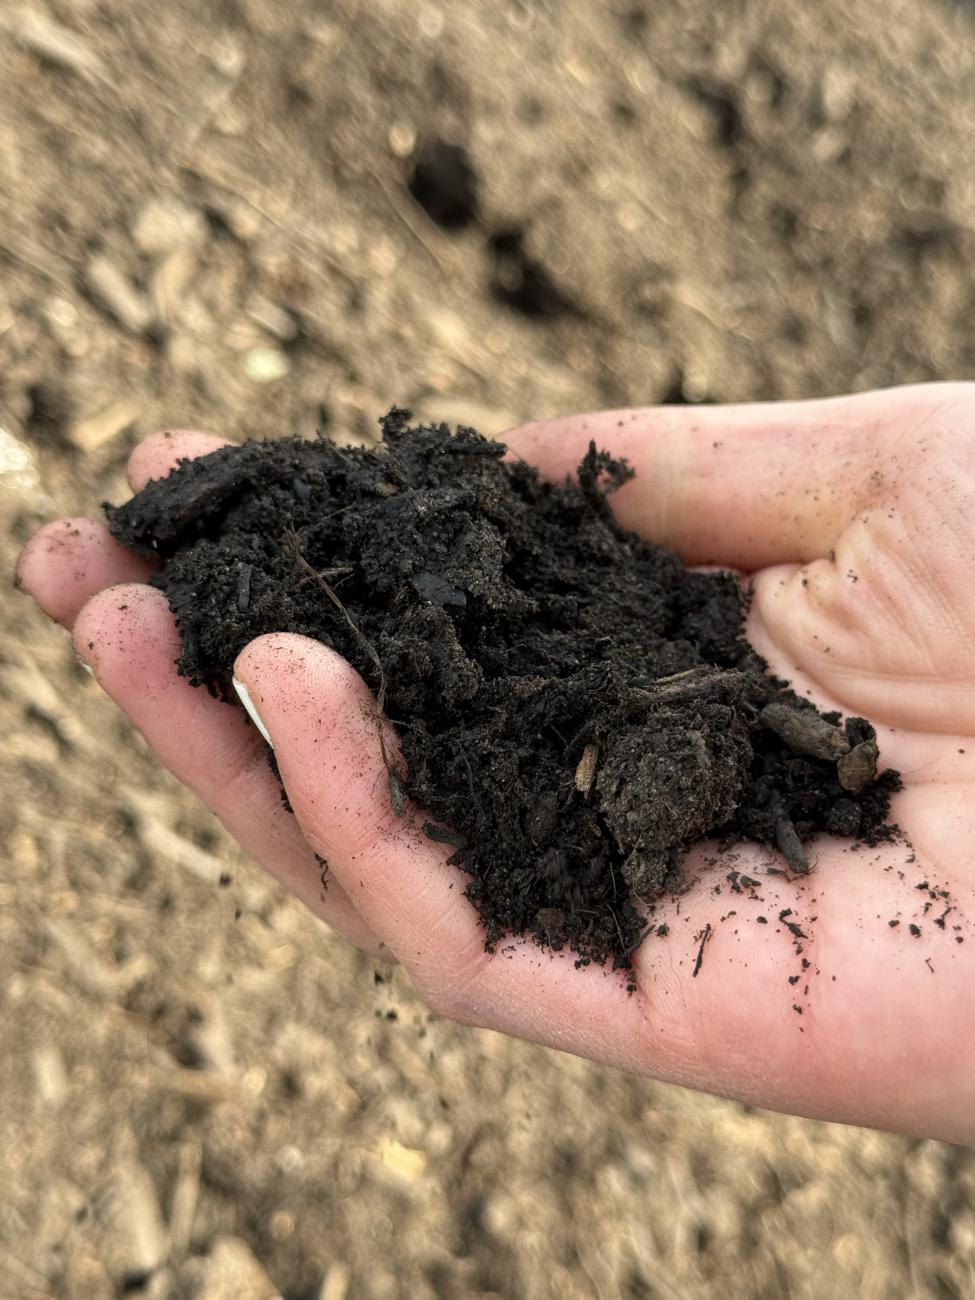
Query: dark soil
<point x="575" y="707"/>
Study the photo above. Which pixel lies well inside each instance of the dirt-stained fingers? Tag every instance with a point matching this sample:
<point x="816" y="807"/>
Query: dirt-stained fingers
<point x="68" y="561"/>
<point x="128" y="637"/>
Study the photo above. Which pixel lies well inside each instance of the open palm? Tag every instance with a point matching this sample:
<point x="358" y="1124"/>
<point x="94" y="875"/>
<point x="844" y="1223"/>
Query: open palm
<point x="855" y="519"/>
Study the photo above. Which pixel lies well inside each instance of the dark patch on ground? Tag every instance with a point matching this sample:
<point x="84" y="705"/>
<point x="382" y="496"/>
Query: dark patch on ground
<point x="444" y="183"/>
<point x="524" y="284"/>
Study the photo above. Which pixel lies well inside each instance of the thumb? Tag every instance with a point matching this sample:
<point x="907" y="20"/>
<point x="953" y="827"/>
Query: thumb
<point x="747" y="486"/>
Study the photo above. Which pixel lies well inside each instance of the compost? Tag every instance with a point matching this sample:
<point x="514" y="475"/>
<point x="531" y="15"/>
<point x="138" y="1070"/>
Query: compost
<point x="574" y="706"/>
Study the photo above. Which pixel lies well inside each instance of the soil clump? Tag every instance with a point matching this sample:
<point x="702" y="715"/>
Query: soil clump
<point x="575" y="707"/>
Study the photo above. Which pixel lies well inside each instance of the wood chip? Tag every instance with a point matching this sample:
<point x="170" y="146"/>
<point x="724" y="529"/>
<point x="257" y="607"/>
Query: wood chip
<point x="111" y="289"/>
<point x="805" y="732"/>
<point x="94" y="976"/>
<point x="135" y="1207"/>
<point x="790" y="846"/>
<point x="92" y="432"/>
<point x="54" y="43"/>
<point x="164" y="224"/>
<point x="233" y="1272"/>
<point x="185" y="1197"/>
<point x="406" y="1162"/>
<point x="265" y="365"/>
<point x="335" y="1284"/>
<point x="586" y="771"/>
<point x="859" y="767"/>
<point x="50" y="1076"/>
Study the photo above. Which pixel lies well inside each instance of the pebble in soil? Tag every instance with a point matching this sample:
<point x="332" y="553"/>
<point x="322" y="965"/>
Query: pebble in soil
<point x="575" y="707"/>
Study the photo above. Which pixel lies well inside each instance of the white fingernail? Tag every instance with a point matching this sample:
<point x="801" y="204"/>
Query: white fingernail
<point x="248" y="704"/>
<point x="87" y="667"/>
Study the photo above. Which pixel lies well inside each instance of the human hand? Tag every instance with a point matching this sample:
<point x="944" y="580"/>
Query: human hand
<point x="855" y="518"/>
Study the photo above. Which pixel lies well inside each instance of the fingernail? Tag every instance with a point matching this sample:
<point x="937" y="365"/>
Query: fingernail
<point x="86" y="666"/>
<point x="248" y="704"/>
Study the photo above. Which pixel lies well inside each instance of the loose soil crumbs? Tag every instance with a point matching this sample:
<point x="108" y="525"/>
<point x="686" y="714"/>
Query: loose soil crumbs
<point x="575" y="707"/>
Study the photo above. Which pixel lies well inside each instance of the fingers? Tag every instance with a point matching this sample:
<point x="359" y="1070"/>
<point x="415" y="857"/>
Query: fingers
<point x="128" y="637"/>
<point x="324" y="726"/>
<point x="745" y="486"/>
<point x="159" y="454"/>
<point x="68" y="561"/>
<point x="64" y="564"/>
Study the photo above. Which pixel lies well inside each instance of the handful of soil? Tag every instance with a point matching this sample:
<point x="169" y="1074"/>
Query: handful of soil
<point x="575" y="707"/>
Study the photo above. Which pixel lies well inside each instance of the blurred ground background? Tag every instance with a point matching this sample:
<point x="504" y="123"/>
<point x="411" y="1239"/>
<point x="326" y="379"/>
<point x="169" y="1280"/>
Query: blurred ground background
<point x="207" y="220"/>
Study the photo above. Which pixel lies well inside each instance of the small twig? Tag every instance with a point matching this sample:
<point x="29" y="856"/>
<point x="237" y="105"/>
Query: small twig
<point x="314" y="575"/>
<point x="470" y="781"/>
<point x="619" y="930"/>
<point x="705" y="936"/>
<point x="636" y="942"/>
<point x="339" y="572"/>
<point x="393" y="777"/>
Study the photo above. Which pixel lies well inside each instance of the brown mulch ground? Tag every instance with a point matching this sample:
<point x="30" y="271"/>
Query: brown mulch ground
<point x="207" y="221"/>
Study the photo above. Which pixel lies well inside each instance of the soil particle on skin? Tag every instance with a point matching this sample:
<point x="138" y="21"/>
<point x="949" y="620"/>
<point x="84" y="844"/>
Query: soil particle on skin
<point x="575" y="707"/>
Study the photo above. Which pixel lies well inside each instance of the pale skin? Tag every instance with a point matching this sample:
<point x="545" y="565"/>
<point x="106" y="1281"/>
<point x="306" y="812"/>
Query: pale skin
<point x="854" y="518"/>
